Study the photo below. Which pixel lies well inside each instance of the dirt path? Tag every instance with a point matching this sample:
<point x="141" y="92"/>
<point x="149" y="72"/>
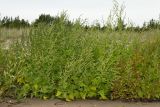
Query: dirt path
<point x="84" y="103"/>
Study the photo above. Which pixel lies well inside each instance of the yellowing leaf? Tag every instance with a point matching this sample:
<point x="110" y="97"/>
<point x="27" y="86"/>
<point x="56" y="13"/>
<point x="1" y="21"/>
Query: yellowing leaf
<point x="20" y="80"/>
<point x="45" y="97"/>
<point x="103" y="98"/>
<point x="67" y="99"/>
<point x="71" y="96"/>
<point x="58" y="93"/>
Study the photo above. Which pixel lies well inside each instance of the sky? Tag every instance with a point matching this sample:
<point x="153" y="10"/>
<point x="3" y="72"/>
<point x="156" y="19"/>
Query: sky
<point x="137" y="11"/>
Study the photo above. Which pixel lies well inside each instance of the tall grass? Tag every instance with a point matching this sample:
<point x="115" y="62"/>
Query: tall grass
<point x="75" y="63"/>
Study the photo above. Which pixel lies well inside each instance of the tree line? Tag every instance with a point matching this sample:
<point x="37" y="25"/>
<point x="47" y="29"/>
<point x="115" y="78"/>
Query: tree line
<point x="10" y="22"/>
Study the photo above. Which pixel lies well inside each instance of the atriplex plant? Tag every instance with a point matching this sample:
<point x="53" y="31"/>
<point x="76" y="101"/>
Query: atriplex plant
<point x="68" y="61"/>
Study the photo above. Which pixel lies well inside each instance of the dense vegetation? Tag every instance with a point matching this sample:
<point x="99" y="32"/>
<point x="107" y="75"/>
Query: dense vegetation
<point x="70" y="60"/>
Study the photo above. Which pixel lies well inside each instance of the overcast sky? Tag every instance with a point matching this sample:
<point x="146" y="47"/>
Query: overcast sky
<point x="137" y="10"/>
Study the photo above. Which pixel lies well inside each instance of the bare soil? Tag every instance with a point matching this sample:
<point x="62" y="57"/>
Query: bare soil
<point x="80" y="103"/>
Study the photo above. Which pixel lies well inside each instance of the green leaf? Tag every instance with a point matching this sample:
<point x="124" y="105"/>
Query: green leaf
<point x="102" y="95"/>
<point x="58" y="93"/>
<point x="93" y="88"/>
<point x="35" y="86"/>
<point x="140" y="94"/>
<point x="83" y="95"/>
<point x="71" y="96"/>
